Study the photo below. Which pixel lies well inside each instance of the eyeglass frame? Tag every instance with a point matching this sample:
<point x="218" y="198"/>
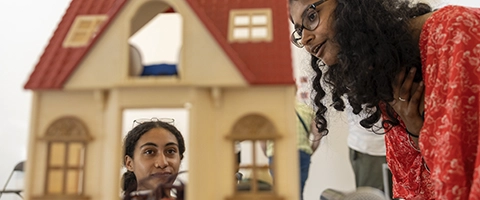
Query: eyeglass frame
<point x="313" y="6"/>
<point x="139" y="121"/>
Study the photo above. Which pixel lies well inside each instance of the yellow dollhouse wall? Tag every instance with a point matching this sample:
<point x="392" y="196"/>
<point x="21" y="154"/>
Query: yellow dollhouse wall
<point x="211" y="164"/>
<point x="214" y="164"/>
<point x="49" y="106"/>
<point x="211" y="154"/>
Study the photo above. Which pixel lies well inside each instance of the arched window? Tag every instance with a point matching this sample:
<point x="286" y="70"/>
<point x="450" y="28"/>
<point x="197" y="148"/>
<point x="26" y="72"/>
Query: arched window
<point x="66" y="140"/>
<point x="156" y="40"/>
<point x="253" y="129"/>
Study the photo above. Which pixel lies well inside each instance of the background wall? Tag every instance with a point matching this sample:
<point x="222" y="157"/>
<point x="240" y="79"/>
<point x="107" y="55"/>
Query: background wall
<point x="27" y="28"/>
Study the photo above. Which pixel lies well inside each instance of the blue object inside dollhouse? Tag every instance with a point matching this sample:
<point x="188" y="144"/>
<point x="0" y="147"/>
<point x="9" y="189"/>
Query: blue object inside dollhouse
<point x="159" y="70"/>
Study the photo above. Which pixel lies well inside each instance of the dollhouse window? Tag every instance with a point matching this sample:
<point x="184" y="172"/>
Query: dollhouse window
<point x="67" y="140"/>
<point x="250" y="130"/>
<point x="250" y="25"/>
<point x="83" y="29"/>
<point x="155" y="41"/>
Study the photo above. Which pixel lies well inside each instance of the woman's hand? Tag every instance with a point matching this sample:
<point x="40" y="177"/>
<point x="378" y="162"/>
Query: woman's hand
<point x="408" y="102"/>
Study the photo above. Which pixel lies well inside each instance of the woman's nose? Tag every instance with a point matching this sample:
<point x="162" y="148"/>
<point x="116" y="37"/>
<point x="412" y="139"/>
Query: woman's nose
<point x="307" y="37"/>
<point x="161" y="161"/>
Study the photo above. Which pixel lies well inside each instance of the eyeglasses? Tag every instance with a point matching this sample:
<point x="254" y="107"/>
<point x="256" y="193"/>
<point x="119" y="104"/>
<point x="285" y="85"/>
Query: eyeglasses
<point x="137" y="122"/>
<point x="310" y="21"/>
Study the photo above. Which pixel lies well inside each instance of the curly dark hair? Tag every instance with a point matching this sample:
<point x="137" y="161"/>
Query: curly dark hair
<point x="129" y="180"/>
<point x="376" y="43"/>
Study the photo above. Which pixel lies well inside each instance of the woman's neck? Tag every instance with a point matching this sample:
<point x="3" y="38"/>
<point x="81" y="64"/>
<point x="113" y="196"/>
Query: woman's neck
<point x="416" y="25"/>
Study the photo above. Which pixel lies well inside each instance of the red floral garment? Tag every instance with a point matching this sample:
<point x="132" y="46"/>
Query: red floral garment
<point x="411" y="179"/>
<point x="450" y="51"/>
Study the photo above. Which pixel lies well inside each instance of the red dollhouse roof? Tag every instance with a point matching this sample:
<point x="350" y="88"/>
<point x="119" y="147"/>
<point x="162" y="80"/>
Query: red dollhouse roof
<point x="58" y="63"/>
<point x="259" y="62"/>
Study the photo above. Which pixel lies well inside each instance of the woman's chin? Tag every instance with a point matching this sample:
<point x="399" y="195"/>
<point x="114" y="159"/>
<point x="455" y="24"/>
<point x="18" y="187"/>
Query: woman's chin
<point x="153" y="183"/>
<point x="329" y="61"/>
<point x="161" y="180"/>
<point x="329" y="56"/>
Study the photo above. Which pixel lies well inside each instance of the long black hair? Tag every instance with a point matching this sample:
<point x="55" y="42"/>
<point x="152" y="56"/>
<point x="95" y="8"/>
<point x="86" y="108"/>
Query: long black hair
<point x="376" y="43"/>
<point x="129" y="179"/>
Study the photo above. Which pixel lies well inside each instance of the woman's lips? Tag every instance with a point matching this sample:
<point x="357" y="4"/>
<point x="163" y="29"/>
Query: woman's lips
<point x="319" y="49"/>
<point x="162" y="175"/>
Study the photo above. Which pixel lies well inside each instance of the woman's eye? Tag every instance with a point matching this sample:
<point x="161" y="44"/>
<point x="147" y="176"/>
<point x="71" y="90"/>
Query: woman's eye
<point x="171" y="151"/>
<point x="312" y="16"/>
<point x="149" y="152"/>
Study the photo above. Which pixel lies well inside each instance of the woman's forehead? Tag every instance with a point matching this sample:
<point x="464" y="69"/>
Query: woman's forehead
<point x="157" y="135"/>
<point x="298" y="7"/>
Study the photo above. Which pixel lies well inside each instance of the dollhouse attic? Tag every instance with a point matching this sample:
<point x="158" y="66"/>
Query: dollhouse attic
<point x="234" y="75"/>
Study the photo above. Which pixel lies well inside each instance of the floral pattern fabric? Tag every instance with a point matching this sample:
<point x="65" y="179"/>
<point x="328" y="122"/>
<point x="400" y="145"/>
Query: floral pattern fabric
<point x="410" y="176"/>
<point x="450" y="47"/>
<point x="449" y="142"/>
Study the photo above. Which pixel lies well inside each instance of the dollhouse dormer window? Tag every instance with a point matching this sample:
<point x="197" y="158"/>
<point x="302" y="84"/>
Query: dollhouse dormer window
<point x="66" y="140"/>
<point x="83" y="29"/>
<point x="250" y="25"/>
<point x="155" y="43"/>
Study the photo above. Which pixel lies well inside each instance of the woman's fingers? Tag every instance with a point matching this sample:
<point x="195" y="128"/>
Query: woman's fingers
<point x="417" y="96"/>
<point x="405" y="104"/>
<point x="404" y="93"/>
<point x="396" y="85"/>
<point x="415" y="119"/>
<point x="398" y="82"/>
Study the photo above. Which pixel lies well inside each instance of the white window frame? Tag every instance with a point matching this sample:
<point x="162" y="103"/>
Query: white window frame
<point x="250" y="25"/>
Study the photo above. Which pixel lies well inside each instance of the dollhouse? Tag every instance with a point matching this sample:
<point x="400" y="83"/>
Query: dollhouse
<point x="234" y="76"/>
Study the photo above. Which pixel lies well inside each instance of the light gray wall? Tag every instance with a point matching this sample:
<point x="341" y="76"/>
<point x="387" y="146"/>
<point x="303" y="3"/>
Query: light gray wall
<point x="28" y="26"/>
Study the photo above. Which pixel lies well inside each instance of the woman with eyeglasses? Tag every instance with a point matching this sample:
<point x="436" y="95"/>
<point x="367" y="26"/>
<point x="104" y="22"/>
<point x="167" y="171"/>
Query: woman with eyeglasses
<point x="420" y="72"/>
<point x="153" y="151"/>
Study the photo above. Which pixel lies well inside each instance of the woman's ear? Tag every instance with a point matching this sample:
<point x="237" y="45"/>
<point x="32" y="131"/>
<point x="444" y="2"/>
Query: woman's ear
<point x="129" y="163"/>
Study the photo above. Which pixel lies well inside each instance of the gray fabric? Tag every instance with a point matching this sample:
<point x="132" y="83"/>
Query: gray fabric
<point x="367" y="169"/>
